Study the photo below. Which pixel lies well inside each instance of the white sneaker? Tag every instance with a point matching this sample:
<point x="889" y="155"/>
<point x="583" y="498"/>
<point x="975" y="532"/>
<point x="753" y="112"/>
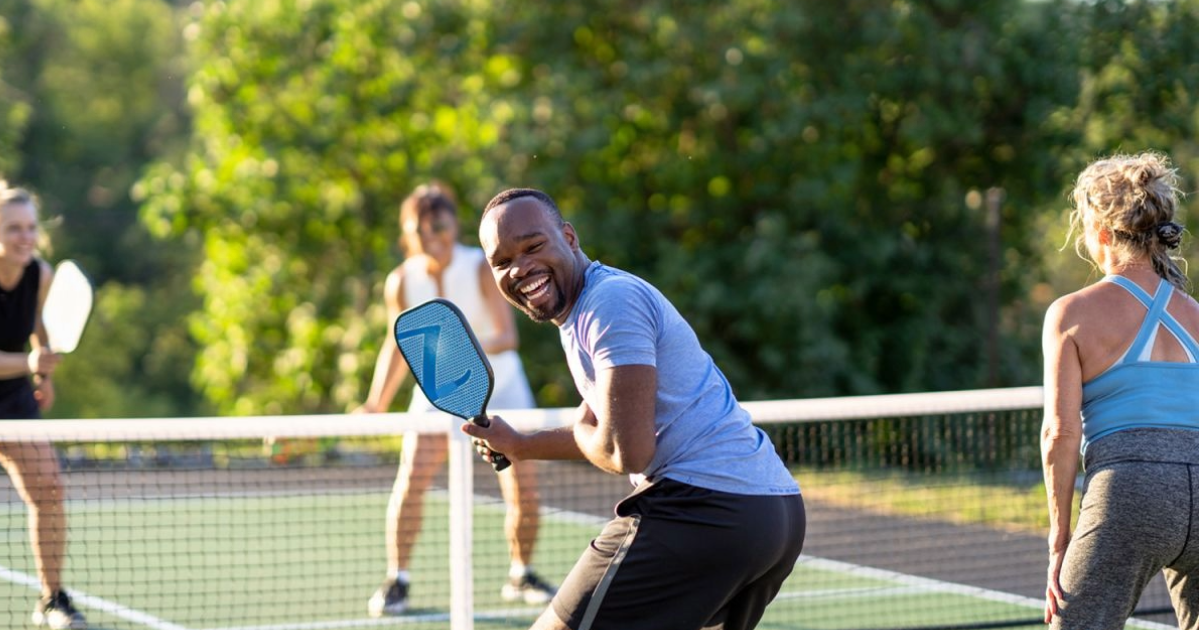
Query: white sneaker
<point x="530" y="589"/>
<point x="58" y="613"/>
<point x="390" y="600"/>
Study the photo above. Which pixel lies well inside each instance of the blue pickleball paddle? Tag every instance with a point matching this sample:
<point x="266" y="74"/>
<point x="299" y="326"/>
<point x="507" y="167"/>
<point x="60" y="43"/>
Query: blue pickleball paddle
<point x="447" y="362"/>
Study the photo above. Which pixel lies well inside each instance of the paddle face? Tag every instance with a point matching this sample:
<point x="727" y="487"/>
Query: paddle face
<point x="67" y="307"/>
<point x="447" y="362"/>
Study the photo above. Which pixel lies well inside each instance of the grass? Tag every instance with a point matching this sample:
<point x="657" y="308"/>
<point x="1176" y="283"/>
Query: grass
<point x="992" y="500"/>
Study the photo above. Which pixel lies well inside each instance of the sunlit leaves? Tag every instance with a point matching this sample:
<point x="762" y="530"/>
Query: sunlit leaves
<point x="797" y="177"/>
<point x="311" y="125"/>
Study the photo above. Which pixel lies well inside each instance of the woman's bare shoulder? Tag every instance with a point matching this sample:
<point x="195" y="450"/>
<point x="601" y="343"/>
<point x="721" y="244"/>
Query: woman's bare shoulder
<point x="1087" y="304"/>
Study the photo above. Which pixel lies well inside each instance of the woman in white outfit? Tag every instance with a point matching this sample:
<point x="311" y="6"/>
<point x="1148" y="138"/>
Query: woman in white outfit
<point x="437" y="265"/>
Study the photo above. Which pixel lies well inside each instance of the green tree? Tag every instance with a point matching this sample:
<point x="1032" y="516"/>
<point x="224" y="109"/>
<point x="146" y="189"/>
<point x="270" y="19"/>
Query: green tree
<point x="93" y="90"/>
<point x="1139" y="69"/>
<point x="799" y="177"/>
<point x="312" y="121"/>
<point x="14" y="105"/>
<point x="808" y="182"/>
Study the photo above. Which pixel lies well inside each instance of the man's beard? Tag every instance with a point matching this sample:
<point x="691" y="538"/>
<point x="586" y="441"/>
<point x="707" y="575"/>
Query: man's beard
<point x="543" y="315"/>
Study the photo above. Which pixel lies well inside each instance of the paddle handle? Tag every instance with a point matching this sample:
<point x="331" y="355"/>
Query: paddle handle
<point x="499" y="461"/>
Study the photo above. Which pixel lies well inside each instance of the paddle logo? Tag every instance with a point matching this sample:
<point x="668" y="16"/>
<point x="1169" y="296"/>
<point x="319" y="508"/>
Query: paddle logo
<point x="432" y="337"/>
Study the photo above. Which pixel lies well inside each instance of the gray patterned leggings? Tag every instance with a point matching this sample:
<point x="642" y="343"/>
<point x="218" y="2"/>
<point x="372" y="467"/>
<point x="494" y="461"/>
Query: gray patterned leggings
<point x="1140" y="515"/>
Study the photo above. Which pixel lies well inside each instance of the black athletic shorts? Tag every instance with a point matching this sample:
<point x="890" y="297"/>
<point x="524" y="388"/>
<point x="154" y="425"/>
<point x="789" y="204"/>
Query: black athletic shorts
<point x="20" y="405"/>
<point x="679" y="557"/>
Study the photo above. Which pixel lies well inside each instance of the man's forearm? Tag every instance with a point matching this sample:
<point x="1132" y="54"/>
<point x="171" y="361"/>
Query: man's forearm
<point x="550" y="444"/>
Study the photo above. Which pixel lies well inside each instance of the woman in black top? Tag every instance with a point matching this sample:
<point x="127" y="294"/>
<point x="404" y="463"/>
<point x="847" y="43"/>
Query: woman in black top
<point x="26" y="368"/>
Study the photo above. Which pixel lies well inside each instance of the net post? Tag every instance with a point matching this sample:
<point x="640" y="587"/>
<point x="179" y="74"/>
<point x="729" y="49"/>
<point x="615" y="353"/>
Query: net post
<point x="461" y="481"/>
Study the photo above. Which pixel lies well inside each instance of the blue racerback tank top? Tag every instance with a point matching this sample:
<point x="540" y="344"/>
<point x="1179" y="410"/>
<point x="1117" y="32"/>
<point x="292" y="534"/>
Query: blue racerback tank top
<point x="1136" y="392"/>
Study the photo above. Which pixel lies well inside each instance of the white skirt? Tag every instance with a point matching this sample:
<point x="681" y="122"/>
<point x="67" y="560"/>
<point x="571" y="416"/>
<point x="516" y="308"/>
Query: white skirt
<point x="511" y="386"/>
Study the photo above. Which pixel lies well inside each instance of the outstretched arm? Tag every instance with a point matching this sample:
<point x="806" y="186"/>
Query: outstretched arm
<point x="499" y="311"/>
<point x="40" y="342"/>
<point x="618" y="438"/>
<point x="499" y="436"/>
<point x="390" y="367"/>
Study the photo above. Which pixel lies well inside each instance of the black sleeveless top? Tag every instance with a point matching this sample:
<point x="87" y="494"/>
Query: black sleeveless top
<point x="18" y="309"/>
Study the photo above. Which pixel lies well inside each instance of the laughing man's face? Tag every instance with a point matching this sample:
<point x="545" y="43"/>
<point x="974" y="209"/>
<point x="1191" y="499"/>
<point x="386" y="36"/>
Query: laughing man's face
<point x="533" y="258"/>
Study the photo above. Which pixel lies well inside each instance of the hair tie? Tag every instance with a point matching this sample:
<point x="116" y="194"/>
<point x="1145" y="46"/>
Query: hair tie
<point x="1169" y="233"/>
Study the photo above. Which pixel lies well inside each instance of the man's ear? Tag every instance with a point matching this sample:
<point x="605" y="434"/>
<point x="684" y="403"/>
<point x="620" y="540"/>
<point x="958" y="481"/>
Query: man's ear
<point x="572" y="239"/>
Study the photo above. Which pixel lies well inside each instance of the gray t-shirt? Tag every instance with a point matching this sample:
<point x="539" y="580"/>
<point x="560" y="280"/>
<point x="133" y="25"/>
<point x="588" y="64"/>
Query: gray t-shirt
<point x="705" y="438"/>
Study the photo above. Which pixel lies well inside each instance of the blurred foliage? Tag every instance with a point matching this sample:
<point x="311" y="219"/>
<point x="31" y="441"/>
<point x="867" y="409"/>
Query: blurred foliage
<point x="14" y="105"/>
<point x="96" y="89"/>
<point x="120" y="371"/>
<point x="798" y="178"/>
<point x="791" y="177"/>
<point x="1138" y="81"/>
<point x="311" y="125"/>
<point x="843" y="198"/>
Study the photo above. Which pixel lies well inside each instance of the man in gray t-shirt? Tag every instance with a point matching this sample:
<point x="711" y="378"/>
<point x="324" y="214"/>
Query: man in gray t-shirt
<point x="716" y="521"/>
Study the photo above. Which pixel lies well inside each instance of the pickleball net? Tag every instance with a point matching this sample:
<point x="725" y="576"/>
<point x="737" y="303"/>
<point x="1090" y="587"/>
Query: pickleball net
<point x="924" y="511"/>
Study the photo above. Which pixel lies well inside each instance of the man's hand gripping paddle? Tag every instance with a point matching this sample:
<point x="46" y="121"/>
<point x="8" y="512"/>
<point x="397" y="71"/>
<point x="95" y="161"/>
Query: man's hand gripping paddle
<point x="447" y="362"/>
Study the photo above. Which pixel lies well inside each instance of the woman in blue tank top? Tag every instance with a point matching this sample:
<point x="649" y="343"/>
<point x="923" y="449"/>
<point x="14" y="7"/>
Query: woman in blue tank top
<point x="1122" y="389"/>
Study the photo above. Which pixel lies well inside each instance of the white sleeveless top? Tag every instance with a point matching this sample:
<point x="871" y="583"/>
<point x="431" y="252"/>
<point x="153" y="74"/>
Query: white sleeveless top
<point x="460" y="282"/>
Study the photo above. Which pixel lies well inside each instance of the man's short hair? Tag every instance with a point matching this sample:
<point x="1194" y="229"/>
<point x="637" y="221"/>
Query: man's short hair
<point x="516" y="193"/>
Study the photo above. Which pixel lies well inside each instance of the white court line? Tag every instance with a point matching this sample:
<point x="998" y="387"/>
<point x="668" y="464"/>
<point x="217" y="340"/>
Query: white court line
<point x="79" y="597"/>
<point x="501" y="614"/>
<point x="906" y="585"/>
<point x="930" y="585"/>
<point x="920" y="582"/>
<point x="872" y="592"/>
<point x="150" y="621"/>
